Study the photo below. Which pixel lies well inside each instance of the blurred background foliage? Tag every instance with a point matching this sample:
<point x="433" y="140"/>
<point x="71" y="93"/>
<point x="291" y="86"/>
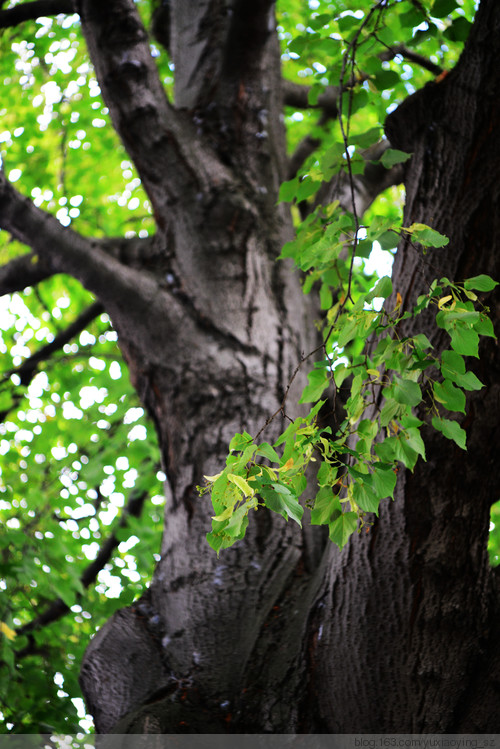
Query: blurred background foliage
<point x="80" y="472"/>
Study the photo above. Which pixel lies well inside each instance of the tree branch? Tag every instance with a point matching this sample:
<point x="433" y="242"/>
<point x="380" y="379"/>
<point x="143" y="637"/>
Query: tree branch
<point x="35" y="9"/>
<point x="161" y="141"/>
<point x="306" y="147"/>
<point x="297" y="95"/>
<point x="412" y="56"/>
<point x="136" y="252"/>
<point x="26" y="370"/>
<point x="57" y="609"/>
<point x="23" y="271"/>
<point x="64" y="250"/>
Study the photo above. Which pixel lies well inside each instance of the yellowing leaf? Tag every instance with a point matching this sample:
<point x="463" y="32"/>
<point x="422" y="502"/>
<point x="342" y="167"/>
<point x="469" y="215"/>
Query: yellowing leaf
<point x="271" y="472"/>
<point x="287" y="466"/>
<point x="9" y="633"/>
<point x="211" y="479"/>
<point x="242" y="484"/>
<point x="224" y="515"/>
<point x="443" y="301"/>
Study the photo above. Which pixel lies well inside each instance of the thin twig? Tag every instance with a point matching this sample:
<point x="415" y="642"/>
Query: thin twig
<point x="349" y="55"/>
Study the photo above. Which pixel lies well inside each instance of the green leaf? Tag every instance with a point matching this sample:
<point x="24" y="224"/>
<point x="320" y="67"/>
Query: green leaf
<point x="240" y="441"/>
<point x="383" y="288"/>
<point x="459" y="30"/>
<point x="340" y="373"/>
<point x="363" y="140"/>
<point x="317" y="383"/>
<point x="480" y="283"/>
<point x="288" y="190"/>
<point x="450" y="396"/>
<point x="365" y="497"/>
<point x="348" y="329"/>
<point x="422" y="342"/>
<point x="453" y="368"/>
<point x="426" y="236"/>
<point x="267" y="451"/>
<point x="451" y="429"/>
<point x="280" y="499"/>
<point x="325" y="504"/>
<point x="238" y="522"/>
<point x="464" y="340"/>
<point x="398" y="447"/>
<point x="385" y="79"/>
<point x="218" y="541"/>
<point x="307" y="188"/>
<point x="389" y="410"/>
<point x="452" y="364"/>
<point x="327" y="474"/>
<point x="414" y="441"/>
<point x="384" y="481"/>
<point x="469" y="381"/>
<point x="484" y="326"/>
<point x="342" y="528"/>
<point x="443" y="8"/>
<point x="392" y="156"/>
<point x="225" y="515"/>
<point x="407" y="392"/>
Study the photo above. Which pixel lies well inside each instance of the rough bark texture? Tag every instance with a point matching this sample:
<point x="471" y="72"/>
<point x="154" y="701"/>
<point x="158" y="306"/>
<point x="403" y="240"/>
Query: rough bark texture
<point x="283" y="633"/>
<point x="407" y="622"/>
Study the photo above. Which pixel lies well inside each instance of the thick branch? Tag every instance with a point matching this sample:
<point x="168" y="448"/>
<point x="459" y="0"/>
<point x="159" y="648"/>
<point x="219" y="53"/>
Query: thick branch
<point x="161" y="141"/>
<point x="58" y="608"/>
<point x="306" y="147"/>
<point x="297" y="95"/>
<point x="35" y="9"/>
<point x="21" y="272"/>
<point x="64" y="250"/>
<point x="26" y="371"/>
<point x="136" y="252"/>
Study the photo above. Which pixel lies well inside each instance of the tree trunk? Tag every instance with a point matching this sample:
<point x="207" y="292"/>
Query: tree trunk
<point x="283" y="633"/>
<point x="211" y="346"/>
<point x="405" y="636"/>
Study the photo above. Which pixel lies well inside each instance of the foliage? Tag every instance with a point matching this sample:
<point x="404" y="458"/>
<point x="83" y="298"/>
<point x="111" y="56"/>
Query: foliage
<point x="75" y="449"/>
<point x="75" y="445"/>
<point x="358" y="465"/>
<point x="391" y="377"/>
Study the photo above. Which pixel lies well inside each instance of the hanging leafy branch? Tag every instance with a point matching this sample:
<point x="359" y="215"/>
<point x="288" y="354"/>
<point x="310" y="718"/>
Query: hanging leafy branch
<point x="358" y="465"/>
<point x="390" y="378"/>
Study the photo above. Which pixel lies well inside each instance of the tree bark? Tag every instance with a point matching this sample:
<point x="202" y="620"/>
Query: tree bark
<point x="282" y="633"/>
<point x="399" y="631"/>
<point x="404" y="636"/>
<point x="211" y="350"/>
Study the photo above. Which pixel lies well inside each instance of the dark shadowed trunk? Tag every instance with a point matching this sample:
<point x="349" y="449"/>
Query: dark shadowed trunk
<point x="404" y="637"/>
<point x="283" y="633"/>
